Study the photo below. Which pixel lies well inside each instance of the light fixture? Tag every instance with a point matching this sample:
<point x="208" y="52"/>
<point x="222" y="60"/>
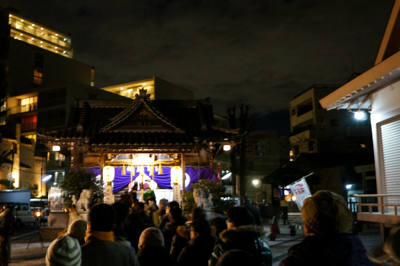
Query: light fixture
<point x="256" y="183"/>
<point x="349" y="186"/>
<point x="108" y="173"/>
<point x="46" y="178"/>
<point x="56" y="148"/>
<point x="227" y="147"/>
<point x="228" y="175"/>
<point x="22" y="20"/>
<point x="56" y="34"/>
<point x="360" y="115"/>
<point x="33" y="25"/>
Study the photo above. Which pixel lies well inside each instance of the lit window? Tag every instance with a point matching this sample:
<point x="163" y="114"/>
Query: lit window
<point x="37" y="77"/>
<point x="363" y="146"/>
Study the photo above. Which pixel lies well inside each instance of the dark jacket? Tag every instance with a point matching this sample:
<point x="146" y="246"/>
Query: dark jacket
<point x="96" y="252"/>
<point x="248" y="238"/>
<point x="341" y="249"/>
<point x="170" y="232"/>
<point x="255" y="212"/>
<point x="6" y="220"/>
<point x="155" y="255"/>
<point x="197" y="251"/>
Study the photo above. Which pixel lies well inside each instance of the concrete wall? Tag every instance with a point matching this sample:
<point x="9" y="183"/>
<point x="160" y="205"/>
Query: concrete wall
<point x="385" y="105"/>
<point x="56" y="68"/>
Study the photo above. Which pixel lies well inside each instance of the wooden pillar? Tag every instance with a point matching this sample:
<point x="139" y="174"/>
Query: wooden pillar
<point x="101" y="166"/>
<point x="183" y="173"/>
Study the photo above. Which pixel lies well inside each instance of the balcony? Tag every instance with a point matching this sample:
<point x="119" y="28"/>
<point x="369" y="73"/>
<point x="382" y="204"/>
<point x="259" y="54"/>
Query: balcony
<point x="22" y="109"/>
<point x="379" y="208"/>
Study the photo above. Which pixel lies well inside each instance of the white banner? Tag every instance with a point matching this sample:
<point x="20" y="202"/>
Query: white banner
<point x="108" y="195"/>
<point x="177" y="193"/>
<point x="301" y="191"/>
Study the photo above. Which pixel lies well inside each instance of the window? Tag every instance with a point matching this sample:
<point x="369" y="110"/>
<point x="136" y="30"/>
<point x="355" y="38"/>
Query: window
<point x="28" y="123"/>
<point x="334" y="122"/>
<point x="37" y="76"/>
<point x="29" y="104"/>
<point x="38" y="60"/>
<point x="293" y="112"/>
<point x="304" y="107"/>
<point x="321" y="122"/>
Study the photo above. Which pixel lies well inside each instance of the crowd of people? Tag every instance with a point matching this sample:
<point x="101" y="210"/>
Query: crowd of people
<point x="133" y="233"/>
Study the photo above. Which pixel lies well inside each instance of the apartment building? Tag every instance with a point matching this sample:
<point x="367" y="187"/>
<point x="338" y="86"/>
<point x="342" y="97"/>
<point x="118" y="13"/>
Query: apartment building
<point x="314" y="130"/>
<point x="157" y="88"/>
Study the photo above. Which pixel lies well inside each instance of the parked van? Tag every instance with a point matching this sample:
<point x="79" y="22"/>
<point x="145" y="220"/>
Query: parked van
<point x="18" y="201"/>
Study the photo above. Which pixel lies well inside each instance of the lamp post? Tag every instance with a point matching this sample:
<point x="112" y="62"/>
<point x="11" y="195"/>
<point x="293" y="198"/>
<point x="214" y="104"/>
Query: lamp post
<point x="108" y="176"/>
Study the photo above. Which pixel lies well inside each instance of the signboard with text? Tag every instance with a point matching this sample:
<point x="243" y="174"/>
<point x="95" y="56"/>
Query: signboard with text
<point x="108" y="195"/>
<point x="301" y="191"/>
<point x="177" y="193"/>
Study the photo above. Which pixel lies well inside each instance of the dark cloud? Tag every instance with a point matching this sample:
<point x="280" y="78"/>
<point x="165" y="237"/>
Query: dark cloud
<point x="259" y="51"/>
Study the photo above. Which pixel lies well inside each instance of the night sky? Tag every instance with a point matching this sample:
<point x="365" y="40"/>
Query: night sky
<point x="259" y="52"/>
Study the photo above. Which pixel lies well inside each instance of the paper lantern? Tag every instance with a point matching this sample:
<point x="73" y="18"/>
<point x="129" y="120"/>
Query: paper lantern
<point x="108" y="173"/>
<point x="176" y="174"/>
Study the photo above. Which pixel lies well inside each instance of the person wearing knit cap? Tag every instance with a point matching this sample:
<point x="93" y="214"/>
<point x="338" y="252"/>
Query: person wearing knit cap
<point x="100" y="248"/>
<point x="77" y="229"/>
<point x="64" y="250"/>
<point x="326" y="224"/>
<point x="152" y="250"/>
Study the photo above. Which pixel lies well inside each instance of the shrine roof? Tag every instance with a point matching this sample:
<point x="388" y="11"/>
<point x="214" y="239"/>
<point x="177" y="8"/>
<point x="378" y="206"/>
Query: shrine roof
<point x="112" y="123"/>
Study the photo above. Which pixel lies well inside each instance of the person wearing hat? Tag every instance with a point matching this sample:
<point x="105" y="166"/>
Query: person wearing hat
<point x="64" y="250"/>
<point x="326" y="224"/>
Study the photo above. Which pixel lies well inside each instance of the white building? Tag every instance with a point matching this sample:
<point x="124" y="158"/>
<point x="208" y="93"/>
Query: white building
<point x="378" y="91"/>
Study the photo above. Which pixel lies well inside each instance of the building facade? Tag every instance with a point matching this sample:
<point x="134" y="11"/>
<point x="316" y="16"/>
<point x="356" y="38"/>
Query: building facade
<point x="376" y="92"/>
<point x="314" y="130"/>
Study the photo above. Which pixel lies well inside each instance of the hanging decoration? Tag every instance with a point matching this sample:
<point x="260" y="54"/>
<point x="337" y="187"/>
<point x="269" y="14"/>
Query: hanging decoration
<point x="160" y="172"/>
<point x="151" y="171"/>
<point x="123" y="172"/>
<point x="132" y="171"/>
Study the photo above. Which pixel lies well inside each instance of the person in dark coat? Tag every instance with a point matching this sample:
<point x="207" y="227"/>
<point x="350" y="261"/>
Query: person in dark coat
<point x="152" y="250"/>
<point x="326" y="223"/>
<point x="253" y="210"/>
<point x="134" y="227"/>
<point x="165" y="218"/>
<point x="99" y="248"/>
<point x="242" y="234"/>
<point x="173" y="241"/>
<point x="200" y="246"/>
<point x="6" y="220"/>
